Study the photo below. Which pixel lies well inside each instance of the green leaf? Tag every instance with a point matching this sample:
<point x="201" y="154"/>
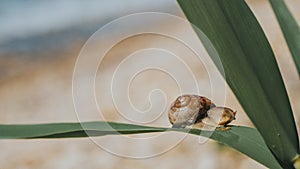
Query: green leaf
<point x="64" y="130"/>
<point x="290" y="29"/>
<point x="244" y="139"/>
<point x="250" y="69"/>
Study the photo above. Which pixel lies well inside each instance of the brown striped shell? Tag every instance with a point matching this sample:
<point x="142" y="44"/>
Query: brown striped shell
<point x="189" y="109"/>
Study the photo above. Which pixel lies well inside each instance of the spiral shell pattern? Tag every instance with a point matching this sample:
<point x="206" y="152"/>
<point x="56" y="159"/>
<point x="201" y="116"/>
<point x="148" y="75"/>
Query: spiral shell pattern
<point x="188" y="109"/>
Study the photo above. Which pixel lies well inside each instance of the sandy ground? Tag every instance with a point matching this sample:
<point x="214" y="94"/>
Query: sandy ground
<point x="34" y="91"/>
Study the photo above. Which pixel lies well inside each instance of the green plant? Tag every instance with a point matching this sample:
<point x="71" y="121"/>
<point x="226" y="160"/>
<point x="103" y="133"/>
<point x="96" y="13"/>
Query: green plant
<point x="251" y="72"/>
<point x="290" y="29"/>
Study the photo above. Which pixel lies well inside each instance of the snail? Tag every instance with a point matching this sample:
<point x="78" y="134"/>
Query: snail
<point x="196" y="111"/>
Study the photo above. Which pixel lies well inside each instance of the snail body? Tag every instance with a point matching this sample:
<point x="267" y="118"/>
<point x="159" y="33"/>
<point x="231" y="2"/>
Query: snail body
<point x="195" y="111"/>
<point x="227" y="115"/>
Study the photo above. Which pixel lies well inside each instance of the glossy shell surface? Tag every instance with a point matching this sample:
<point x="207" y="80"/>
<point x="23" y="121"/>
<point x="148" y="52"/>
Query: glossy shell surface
<point x="188" y="109"/>
<point x="198" y="111"/>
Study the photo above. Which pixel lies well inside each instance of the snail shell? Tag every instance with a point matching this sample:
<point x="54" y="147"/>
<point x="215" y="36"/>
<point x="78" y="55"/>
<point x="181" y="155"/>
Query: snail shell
<point x="198" y="111"/>
<point x="188" y="110"/>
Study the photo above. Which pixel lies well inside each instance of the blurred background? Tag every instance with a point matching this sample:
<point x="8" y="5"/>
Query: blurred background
<point x="39" y="44"/>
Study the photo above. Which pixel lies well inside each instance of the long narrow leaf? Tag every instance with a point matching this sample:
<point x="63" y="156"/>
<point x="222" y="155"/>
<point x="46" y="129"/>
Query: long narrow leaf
<point x="290" y="29"/>
<point x="244" y="139"/>
<point x="250" y="70"/>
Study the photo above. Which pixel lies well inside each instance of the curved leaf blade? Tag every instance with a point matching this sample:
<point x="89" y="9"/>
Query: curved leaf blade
<point x="64" y="130"/>
<point x="248" y="141"/>
<point x="244" y="139"/>
<point x="290" y="29"/>
<point x="250" y="68"/>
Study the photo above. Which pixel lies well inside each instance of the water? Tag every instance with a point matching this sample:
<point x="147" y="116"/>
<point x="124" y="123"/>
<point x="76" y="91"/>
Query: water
<point x="33" y="25"/>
